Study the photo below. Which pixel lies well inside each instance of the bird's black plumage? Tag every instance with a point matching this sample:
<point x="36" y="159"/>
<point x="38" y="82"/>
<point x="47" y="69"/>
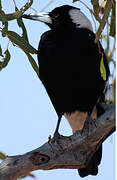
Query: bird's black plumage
<point x="69" y="65"/>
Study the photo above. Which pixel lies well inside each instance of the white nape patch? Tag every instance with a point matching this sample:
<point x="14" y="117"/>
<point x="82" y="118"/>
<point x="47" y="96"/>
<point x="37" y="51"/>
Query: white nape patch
<point x="80" y="19"/>
<point x="43" y="17"/>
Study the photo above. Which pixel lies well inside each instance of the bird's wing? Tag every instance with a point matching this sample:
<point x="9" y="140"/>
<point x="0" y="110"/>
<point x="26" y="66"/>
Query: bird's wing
<point x="70" y="70"/>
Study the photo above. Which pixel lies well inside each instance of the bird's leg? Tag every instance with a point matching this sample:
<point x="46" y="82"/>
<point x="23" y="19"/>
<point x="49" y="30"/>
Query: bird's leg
<point x="56" y="133"/>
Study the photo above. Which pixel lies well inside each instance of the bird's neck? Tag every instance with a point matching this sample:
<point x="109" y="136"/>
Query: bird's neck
<point x="68" y="31"/>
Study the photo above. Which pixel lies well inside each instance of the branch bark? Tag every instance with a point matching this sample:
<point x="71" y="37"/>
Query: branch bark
<point x="69" y="152"/>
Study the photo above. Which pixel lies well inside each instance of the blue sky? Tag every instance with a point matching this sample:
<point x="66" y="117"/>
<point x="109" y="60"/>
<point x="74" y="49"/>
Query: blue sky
<point x="27" y="115"/>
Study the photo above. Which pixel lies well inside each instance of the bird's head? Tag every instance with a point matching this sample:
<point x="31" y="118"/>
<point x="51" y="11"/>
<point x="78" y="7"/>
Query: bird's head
<point x="62" y="17"/>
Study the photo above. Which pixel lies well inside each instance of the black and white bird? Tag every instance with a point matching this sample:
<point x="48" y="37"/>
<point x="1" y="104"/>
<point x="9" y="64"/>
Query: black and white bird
<point x="69" y="66"/>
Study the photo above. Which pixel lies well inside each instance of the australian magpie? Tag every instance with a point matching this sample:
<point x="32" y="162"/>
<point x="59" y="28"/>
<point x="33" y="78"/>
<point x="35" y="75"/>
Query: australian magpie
<point x="69" y="65"/>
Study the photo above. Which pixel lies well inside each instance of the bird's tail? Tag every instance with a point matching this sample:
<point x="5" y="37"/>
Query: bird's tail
<point x="92" y="167"/>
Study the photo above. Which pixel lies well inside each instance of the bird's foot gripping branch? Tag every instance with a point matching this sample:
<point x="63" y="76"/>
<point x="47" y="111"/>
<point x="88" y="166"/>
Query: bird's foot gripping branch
<point x="75" y="153"/>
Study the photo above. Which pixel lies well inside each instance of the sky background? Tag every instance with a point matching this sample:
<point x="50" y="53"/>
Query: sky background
<point x="26" y="113"/>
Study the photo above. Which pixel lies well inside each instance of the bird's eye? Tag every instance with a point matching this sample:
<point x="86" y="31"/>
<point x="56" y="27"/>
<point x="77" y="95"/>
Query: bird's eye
<point x="56" y="15"/>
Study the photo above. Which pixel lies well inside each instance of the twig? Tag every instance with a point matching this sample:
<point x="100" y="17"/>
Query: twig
<point x="14" y="3"/>
<point x="104" y="19"/>
<point x="91" y="11"/>
<point x="47" y="5"/>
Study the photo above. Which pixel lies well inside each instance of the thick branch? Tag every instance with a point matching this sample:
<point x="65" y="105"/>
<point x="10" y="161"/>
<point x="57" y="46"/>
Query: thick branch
<point x="70" y="152"/>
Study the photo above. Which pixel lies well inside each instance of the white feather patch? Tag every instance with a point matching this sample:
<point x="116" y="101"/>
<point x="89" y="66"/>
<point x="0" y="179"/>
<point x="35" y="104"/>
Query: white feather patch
<point x="80" y="19"/>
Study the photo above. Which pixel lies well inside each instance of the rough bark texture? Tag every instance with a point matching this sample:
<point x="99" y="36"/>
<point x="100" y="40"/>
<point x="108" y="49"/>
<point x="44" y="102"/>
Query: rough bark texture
<point x="68" y="152"/>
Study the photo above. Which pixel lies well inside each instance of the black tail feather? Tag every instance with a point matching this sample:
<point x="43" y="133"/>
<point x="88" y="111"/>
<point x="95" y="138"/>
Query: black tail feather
<point x="92" y="167"/>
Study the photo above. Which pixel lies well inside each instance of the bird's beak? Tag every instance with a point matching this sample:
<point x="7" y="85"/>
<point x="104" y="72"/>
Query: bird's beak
<point x="43" y="17"/>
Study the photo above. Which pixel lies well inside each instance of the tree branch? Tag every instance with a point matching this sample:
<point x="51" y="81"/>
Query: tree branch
<point x="107" y="10"/>
<point x="69" y="152"/>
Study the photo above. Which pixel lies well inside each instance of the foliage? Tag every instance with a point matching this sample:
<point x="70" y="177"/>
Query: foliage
<point x="21" y="41"/>
<point x="5" y="59"/>
<point x="2" y="156"/>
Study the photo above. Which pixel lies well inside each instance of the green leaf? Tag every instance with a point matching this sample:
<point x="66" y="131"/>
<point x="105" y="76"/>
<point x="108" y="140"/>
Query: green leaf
<point x="5" y="60"/>
<point x="2" y="16"/>
<point x="28" y="174"/>
<point x="22" y="26"/>
<point x="33" y="64"/>
<point x="102" y="69"/>
<point x="21" y="42"/>
<point x="2" y="156"/>
<point x="5" y="28"/>
<point x="31" y="175"/>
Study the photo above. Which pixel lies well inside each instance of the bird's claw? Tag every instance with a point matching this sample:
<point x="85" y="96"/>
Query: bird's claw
<point x="56" y="136"/>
